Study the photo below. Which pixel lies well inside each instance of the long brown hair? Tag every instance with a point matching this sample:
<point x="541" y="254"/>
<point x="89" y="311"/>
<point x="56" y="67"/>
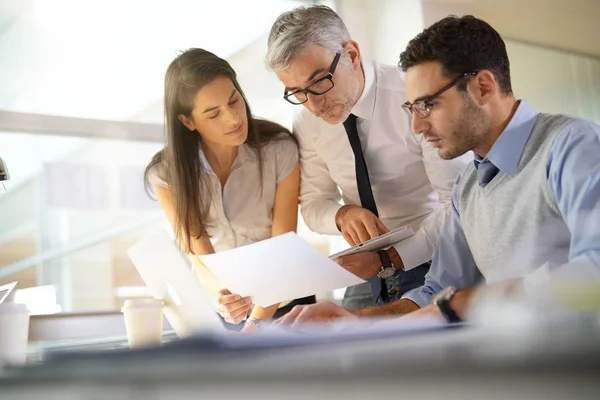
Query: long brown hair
<point x="184" y="171"/>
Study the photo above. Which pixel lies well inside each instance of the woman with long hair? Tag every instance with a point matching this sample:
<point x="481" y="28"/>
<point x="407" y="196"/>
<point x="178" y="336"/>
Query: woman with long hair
<point x="224" y="178"/>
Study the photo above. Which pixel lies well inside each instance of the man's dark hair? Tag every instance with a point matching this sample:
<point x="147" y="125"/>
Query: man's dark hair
<point x="461" y="45"/>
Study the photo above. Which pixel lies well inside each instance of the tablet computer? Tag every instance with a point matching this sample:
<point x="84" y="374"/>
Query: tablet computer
<point x="381" y="242"/>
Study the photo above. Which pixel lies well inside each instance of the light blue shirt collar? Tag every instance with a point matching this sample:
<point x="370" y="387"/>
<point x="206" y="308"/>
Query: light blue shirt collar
<point x="508" y="148"/>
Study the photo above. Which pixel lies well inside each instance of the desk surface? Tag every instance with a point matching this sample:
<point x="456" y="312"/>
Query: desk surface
<point x="465" y="363"/>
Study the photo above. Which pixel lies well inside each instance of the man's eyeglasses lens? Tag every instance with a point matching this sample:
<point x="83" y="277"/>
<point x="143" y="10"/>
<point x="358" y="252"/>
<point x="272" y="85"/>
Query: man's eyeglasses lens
<point x="318" y="88"/>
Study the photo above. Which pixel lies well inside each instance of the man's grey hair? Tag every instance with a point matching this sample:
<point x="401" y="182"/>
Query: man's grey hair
<point x="295" y="30"/>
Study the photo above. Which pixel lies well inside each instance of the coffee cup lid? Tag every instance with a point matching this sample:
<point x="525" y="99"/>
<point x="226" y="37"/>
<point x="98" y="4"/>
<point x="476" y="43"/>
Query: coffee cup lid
<point x="13" y="308"/>
<point x="143" y="303"/>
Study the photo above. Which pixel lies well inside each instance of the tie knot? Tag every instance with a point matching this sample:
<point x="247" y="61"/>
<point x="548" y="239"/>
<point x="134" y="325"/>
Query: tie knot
<point x="486" y="171"/>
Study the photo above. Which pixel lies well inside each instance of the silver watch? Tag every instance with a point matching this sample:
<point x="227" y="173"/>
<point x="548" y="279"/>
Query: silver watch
<point x="255" y="321"/>
<point x="387" y="267"/>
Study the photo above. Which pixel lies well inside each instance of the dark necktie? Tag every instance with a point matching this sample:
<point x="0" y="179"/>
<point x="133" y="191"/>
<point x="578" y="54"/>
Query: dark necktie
<point x="486" y="171"/>
<point x="365" y="193"/>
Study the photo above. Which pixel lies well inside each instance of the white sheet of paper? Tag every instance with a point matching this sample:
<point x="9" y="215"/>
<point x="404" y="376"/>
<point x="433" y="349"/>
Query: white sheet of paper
<point x="277" y="269"/>
<point x="335" y="332"/>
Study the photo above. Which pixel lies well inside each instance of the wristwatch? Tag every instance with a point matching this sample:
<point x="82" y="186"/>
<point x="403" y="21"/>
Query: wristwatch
<point x="387" y="267"/>
<point x="442" y="301"/>
<point x="255" y="321"/>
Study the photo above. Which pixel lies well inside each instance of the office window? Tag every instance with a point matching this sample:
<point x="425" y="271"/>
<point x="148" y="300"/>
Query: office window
<point x="81" y="114"/>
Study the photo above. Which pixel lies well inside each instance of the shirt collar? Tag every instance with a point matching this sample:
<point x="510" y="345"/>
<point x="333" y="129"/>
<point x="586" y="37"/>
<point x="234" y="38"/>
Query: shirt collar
<point x="365" y="105"/>
<point x="205" y="163"/>
<point x="244" y="154"/>
<point x="508" y="148"/>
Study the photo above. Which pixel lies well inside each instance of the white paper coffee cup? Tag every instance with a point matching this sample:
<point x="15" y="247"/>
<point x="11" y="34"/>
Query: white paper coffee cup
<point x="143" y="322"/>
<point x="14" y="333"/>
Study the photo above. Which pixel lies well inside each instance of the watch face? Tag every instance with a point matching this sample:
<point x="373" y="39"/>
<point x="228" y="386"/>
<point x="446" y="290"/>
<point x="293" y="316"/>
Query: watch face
<point x="386" y="272"/>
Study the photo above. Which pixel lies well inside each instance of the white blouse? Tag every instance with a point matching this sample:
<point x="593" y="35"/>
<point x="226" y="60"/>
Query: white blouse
<point x="239" y="214"/>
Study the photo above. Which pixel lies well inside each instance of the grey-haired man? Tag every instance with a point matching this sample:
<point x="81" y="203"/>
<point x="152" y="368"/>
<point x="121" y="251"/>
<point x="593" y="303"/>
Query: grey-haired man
<point x="356" y="146"/>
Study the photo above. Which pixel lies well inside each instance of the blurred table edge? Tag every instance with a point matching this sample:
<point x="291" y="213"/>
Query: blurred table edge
<point x="69" y="326"/>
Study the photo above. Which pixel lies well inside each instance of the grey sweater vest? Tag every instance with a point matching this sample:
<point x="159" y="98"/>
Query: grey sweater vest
<point x="513" y="225"/>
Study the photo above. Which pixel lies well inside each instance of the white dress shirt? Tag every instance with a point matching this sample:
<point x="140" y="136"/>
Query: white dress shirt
<point x="239" y="213"/>
<point x="411" y="184"/>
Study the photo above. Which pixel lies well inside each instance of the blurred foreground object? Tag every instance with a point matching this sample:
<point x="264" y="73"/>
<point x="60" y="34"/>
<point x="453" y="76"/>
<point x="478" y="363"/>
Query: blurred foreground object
<point x="4" y="175"/>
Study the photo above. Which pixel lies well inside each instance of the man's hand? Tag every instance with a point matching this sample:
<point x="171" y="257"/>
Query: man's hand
<point x="365" y="264"/>
<point x="322" y="311"/>
<point x="358" y="224"/>
<point x="232" y="307"/>
<point x="459" y="304"/>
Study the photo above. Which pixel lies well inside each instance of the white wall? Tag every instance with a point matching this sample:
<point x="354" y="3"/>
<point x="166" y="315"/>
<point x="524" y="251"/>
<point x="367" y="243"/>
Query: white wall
<point x="550" y="80"/>
<point x="554" y="81"/>
<point x="382" y="28"/>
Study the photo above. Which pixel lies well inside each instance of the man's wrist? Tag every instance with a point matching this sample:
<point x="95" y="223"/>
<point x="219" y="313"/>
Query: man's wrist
<point x="257" y="322"/>
<point x="381" y="261"/>
<point x="377" y="263"/>
<point x="460" y="301"/>
<point x="340" y="214"/>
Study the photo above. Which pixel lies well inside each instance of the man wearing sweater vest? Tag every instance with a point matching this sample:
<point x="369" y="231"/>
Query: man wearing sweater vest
<point x="527" y="210"/>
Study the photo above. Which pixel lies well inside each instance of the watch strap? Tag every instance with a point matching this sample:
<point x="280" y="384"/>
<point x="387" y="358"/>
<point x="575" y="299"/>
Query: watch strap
<point x="443" y="304"/>
<point x="448" y="312"/>
<point x="385" y="258"/>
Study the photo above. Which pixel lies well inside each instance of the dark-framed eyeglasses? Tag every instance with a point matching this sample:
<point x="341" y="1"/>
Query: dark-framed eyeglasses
<point x="422" y="108"/>
<point x="317" y="88"/>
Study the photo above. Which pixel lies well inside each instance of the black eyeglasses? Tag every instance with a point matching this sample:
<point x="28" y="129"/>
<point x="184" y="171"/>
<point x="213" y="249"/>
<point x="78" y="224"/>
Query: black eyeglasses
<point x="422" y="108"/>
<point x="319" y="87"/>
